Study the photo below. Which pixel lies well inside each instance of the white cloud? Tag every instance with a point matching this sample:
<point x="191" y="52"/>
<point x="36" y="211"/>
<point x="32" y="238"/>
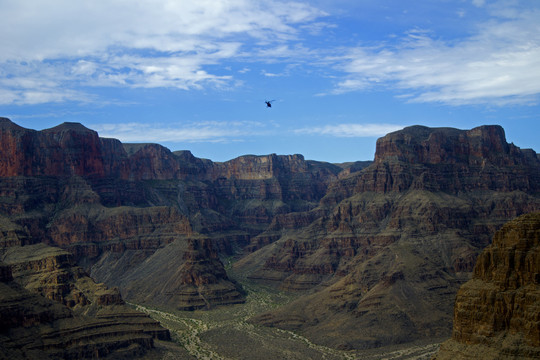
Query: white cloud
<point x="228" y="131"/>
<point x="59" y="50"/>
<point x="139" y="44"/>
<point x="269" y="74"/>
<point x="351" y="130"/>
<point x="181" y="72"/>
<point x="478" y="3"/>
<point x="499" y="64"/>
<point x="41" y="96"/>
<point x="63" y="28"/>
<point x="208" y="131"/>
<point x="36" y="83"/>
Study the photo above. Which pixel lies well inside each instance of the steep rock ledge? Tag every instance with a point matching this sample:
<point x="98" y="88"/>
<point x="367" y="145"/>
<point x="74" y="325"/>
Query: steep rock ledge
<point x="50" y="308"/>
<point x="187" y="274"/>
<point x="497" y="313"/>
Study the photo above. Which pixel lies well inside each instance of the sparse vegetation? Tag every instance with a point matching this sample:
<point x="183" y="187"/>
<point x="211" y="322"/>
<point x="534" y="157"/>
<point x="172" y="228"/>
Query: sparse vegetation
<point x="226" y="333"/>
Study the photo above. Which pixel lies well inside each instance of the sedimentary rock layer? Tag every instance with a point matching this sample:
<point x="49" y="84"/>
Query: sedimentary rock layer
<point x="391" y="244"/>
<point x="50" y="308"/>
<point x="497" y="313"/>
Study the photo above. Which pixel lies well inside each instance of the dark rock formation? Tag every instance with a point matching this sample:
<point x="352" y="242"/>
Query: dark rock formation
<point x="446" y="159"/>
<point x="184" y="275"/>
<point x="497" y="313"/>
<point x="67" y="149"/>
<point x="50" y="308"/>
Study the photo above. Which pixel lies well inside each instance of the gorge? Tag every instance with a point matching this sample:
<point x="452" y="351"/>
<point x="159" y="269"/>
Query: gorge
<point x="371" y="253"/>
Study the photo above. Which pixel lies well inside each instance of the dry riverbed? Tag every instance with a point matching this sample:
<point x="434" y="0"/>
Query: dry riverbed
<point x="224" y="333"/>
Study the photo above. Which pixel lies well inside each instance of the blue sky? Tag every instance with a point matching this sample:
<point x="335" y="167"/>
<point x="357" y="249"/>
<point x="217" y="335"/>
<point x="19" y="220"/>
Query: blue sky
<point x="195" y="74"/>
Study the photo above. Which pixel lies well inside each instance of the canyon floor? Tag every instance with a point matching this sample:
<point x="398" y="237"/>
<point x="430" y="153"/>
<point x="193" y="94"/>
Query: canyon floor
<point x="224" y="332"/>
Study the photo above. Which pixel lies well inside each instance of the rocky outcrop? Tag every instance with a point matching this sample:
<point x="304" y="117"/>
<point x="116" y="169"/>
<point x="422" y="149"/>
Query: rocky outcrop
<point x="497" y="313"/>
<point x="443" y="159"/>
<point x="67" y="149"/>
<point x="36" y="328"/>
<point x="255" y="189"/>
<point x="50" y="308"/>
<point x="451" y="160"/>
<point x="282" y="167"/>
<point x="153" y="162"/>
<point x="52" y="273"/>
<point x="202" y="281"/>
<point x="184" y="275"/>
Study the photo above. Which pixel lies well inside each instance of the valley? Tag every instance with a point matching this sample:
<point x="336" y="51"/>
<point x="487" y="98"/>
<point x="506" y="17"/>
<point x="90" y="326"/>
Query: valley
<point x="225" y="333"/>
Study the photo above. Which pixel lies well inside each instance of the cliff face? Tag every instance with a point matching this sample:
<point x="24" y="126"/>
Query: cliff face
<point x="153" y="162"/>
<point x="449" y="160"/>
<point x="68" y="149"/>
<point x="87" y="232"/>
<point x="72" y="149"/>
<point x="149" y="174"/>
<point x="50" y="308"/>
<point x="497" y="313"/>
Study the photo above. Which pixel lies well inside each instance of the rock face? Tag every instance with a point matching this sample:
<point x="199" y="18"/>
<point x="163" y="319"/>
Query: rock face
<point x="449" y="160"/>
<point x="199" y="282"/>
<point x="52" y="273"/>
<point x="375" y="251"/>
<point x="497" y="313"/>
<point x="50" y="308"/>
<point x="20" y="145"/>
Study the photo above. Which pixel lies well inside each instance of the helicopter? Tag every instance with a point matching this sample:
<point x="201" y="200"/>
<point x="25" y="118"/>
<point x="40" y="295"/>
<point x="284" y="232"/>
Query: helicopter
<point x="269" y="103"/>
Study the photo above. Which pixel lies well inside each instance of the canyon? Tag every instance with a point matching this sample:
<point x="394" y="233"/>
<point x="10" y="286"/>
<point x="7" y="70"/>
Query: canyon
<point x="373" y="253"/>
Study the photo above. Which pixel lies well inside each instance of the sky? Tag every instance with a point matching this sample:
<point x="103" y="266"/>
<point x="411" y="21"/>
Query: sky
<point x="195" y="75"/>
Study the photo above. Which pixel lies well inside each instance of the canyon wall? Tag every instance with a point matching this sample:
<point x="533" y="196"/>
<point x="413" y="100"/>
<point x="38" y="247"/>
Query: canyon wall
<point x="497" y="312"/>
<point x="50" y="308"/>
<point x="389" y="246"/>
<point x="103" y="200"/>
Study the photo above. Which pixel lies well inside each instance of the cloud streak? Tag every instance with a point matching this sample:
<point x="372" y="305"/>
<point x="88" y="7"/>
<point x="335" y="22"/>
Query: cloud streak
<point x="499" y="64"/>
<point x="351" y="130"/>
<point x="230" y="131"/>
<point x="208" y="131"/>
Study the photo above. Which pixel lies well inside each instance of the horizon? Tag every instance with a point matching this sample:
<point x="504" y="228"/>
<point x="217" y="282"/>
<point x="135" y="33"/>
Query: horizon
<point x="247" y="154"/>
<point x="195" y="76"/>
